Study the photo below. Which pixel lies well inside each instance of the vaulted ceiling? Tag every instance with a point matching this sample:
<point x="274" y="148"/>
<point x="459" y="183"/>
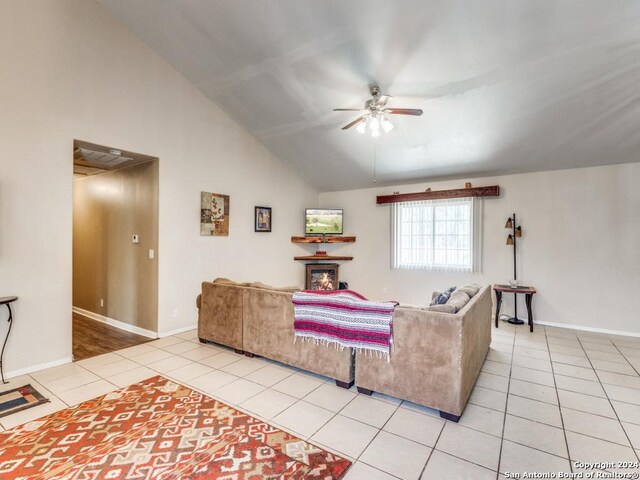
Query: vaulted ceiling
<point x="506" y="86"/>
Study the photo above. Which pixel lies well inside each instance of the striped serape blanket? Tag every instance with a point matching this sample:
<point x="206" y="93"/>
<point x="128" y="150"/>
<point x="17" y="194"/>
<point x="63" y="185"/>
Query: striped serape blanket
<point x="345" y="318"/>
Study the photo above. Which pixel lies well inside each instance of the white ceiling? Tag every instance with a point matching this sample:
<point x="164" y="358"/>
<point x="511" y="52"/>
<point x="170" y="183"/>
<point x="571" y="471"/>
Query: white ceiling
<point x="507" y="86"/>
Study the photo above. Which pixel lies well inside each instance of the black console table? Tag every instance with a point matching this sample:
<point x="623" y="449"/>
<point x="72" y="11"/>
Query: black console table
<point x="528" y="296"/>
<point x="6" y="301"/>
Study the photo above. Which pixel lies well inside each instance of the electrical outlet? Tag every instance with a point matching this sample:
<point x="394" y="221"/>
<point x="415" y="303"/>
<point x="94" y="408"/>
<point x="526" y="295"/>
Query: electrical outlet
<point x="174" y="313"/>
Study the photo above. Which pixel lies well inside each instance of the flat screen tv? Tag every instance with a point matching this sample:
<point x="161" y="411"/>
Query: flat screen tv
<point x="323" y="221"/>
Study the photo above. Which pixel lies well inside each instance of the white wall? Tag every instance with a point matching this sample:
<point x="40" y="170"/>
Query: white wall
<point x="580" y="246"/>
<point x="71" y="71"/>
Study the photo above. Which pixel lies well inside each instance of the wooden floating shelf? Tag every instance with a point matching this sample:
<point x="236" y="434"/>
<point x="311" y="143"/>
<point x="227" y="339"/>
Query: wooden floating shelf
<point x="492" y="191"/>
<point x="320" y="239"/>
<point x="322" y="257"/>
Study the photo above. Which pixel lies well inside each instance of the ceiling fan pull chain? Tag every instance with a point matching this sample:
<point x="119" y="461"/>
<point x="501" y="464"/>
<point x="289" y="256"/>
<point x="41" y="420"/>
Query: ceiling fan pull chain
<point x="375" y="180"/>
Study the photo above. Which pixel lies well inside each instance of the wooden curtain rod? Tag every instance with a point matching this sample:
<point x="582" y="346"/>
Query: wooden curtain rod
<point x="492" y="191"/>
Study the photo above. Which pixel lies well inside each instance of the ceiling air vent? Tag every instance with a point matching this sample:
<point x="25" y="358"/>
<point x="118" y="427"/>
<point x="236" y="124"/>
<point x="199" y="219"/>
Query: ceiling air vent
<point x="109" y="160"/>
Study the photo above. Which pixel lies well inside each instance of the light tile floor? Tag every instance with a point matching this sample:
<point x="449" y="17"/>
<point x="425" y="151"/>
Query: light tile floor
<point x="543" y="401"/>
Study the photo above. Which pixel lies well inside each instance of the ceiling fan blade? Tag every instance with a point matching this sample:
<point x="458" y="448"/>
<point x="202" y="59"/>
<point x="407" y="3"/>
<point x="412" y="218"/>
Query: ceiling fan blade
<point x="355" y="122"/>
<point x="347" y="109"/>
<point x="404" y="111"/>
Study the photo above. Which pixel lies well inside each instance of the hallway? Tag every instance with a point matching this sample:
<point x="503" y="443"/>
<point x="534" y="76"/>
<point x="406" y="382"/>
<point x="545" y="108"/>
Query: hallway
<point x="91" y="338"/>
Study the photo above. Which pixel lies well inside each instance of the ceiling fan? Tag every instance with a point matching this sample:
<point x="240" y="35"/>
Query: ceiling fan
<point x="375" y="113"/>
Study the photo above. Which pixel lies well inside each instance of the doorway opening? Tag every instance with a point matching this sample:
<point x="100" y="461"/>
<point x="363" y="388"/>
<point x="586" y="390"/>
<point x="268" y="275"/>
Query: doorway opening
<point x="115" y="249"/>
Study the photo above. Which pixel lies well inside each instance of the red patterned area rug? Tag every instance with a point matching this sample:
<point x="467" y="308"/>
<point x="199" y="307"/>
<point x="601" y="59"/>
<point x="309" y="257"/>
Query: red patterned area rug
<point x="159" y="429"/>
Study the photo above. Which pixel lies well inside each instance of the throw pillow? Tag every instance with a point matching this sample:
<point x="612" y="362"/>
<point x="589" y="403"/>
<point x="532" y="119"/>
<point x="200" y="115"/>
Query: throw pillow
<point x="442" y="297"/>
<point x="458" y="300"/>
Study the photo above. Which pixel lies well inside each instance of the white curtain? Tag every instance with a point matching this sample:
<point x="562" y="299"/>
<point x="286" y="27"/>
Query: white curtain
<point x="442" y="235"/>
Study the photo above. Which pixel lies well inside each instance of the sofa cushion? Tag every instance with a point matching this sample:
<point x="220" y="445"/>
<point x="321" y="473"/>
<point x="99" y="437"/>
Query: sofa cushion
<point x="225" y="281"/>
<point x="276" y="289"/>
<point x="412" y="306"/>
<point x="470" y="290"/>
<point x="446" y="308"/>
<point x="458" y="299"/>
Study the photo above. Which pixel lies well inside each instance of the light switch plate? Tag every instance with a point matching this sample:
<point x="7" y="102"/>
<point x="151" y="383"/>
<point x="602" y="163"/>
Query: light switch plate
<point x="135" y="239"/>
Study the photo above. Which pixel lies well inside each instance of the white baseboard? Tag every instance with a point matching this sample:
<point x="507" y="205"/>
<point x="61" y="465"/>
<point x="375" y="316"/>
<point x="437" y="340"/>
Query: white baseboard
<point x="587" y="329"/>
<point x="115" y="323"/>
<point x="36" y="368"/>
<point x="177" y="331"/>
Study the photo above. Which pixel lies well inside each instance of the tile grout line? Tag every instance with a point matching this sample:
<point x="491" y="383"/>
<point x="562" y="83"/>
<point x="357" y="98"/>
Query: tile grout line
<point x="374" y="437"/>
<point x="466" y="460"/>
<point x="542" y="423"/>
<point x="432" y="450"/>
<point x="564" y="431"/>
<point x="611" y="404"/>
<point x="626" y="359"/>
<point x="308" y="438"/>
<point x="506" y="406"/>
<point x="381" y="429"/>
<point x="376" y="468"/>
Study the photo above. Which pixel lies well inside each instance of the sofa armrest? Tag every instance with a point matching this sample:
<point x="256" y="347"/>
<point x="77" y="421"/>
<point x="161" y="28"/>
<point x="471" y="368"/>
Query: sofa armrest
<point x="425" y="360"/>
<point x="199" y="301"/>
<point x="220" y="316"/>
<point x="476" y="338"/>
<point x="436" y="356"/>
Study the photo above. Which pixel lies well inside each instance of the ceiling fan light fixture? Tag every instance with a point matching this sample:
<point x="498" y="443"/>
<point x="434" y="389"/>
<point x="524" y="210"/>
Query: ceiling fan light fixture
<point x="387" y="126"/>
<point x="374" y="125"/>
<point x="362" y="126"/>
<point x="375" y="133"/>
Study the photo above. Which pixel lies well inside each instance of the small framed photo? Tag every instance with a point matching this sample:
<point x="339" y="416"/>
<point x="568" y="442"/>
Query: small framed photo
<point x="263" y="219"/>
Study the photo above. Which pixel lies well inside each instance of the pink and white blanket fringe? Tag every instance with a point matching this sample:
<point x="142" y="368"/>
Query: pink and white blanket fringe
<point x="345" y="318"/>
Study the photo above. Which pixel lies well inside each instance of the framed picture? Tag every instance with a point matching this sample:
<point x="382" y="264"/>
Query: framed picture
<point x="322" y="276"/>
<point x="263" y="219"/>
<point x="214" y="214"/>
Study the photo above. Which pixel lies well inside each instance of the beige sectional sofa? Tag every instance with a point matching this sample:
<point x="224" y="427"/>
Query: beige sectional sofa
<point x="436" y="357"/>
<point x="435" y="360"/>
<point x="258" y="320"/>
<point x="220" y="307"/>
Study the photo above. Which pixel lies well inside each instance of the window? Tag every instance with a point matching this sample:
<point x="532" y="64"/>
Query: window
<point x="436" y="235"/>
